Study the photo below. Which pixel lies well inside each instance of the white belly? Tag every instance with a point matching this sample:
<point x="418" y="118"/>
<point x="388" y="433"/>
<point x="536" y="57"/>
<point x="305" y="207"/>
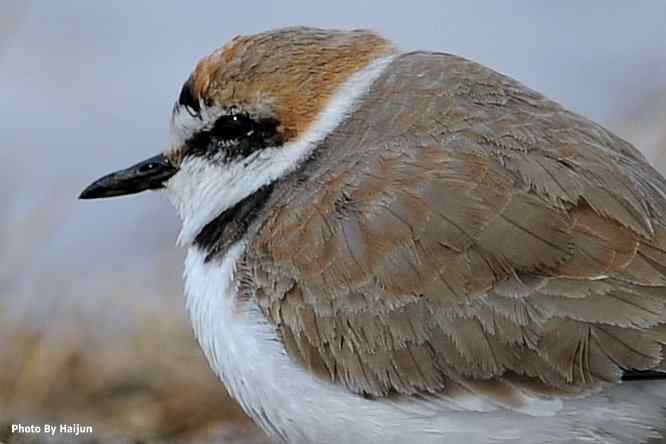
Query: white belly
<point x="290" y="404"/>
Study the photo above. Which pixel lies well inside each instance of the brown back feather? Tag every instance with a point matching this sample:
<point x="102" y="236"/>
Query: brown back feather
<point x="460" y="230"/>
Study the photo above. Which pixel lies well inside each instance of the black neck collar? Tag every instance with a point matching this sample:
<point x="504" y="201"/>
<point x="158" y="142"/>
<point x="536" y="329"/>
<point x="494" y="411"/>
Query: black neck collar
<point x="230" y="226"/>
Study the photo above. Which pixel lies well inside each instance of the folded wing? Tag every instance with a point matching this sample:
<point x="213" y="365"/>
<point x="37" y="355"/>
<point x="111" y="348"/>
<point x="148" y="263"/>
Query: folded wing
<point x="493" y="244"/>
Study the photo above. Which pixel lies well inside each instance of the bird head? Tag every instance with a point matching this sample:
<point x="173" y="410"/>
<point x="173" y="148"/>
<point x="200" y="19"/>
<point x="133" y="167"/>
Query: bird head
<point x="249" y="114"/>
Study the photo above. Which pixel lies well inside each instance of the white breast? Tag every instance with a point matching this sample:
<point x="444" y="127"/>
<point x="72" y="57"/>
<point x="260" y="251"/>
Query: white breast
<point x="247" y="354"/>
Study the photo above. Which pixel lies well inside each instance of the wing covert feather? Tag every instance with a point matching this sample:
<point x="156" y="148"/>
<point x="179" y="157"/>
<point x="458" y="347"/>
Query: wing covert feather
<point x="473" y="234"/>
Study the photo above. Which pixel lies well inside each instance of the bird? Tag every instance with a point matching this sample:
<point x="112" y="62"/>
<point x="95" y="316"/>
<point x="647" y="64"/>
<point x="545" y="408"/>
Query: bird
<point x="390" y="247"/>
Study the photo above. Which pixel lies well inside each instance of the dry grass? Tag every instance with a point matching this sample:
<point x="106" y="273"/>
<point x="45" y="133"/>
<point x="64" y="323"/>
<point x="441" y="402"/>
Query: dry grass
<point x="151" y="387"/>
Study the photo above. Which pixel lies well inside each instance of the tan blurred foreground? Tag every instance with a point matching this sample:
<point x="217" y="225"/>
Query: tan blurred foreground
<point x="154" y="387"/>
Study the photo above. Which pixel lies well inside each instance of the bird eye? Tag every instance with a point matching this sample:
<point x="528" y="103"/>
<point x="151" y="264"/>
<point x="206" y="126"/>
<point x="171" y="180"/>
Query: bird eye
<point x="147" y="167"/>
<point x="232" y="127"/>
<point x="235" y="135"/>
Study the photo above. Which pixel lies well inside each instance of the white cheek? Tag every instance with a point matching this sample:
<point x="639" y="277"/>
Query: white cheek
<point x="200" y="191"/>
<point x="203" y="189"/>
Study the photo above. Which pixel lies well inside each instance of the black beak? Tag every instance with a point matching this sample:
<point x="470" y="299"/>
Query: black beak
<point x="147" y="175"/>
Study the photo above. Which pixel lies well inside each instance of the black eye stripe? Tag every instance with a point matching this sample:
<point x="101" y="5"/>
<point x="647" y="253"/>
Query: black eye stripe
<point x="226" y="128"/>
<point x="232" y="127"/>
<point x="235" y="136"/>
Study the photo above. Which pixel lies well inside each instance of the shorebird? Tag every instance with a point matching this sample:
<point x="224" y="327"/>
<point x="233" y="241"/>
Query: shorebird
<point x="388" y="247"/>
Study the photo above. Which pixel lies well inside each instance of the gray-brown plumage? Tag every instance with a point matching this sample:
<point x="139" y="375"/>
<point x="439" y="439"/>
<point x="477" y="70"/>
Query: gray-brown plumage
<point x="483" y="237"/>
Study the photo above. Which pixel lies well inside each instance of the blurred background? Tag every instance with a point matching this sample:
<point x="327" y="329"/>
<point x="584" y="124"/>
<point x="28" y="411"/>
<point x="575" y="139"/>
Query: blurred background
<point x="93" y="328"/>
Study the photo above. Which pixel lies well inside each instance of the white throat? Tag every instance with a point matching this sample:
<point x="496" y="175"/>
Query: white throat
<point x="202" y="190"/>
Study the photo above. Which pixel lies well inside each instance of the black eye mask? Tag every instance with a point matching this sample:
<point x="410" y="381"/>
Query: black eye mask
<point x="234" y="136"/>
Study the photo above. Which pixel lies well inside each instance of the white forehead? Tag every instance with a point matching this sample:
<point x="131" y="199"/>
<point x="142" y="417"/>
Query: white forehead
<point x="185" y="122"/>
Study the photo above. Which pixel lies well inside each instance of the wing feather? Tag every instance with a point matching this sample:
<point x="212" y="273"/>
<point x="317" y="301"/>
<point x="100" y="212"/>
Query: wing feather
<point x="486" y="241"/>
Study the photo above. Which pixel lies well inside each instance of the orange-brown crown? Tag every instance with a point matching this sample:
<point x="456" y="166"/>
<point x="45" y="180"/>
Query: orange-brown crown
<point x="288" y="74"/>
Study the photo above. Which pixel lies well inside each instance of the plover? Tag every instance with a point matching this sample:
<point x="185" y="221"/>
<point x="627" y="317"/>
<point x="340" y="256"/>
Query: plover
<point x="388" y="247"/>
